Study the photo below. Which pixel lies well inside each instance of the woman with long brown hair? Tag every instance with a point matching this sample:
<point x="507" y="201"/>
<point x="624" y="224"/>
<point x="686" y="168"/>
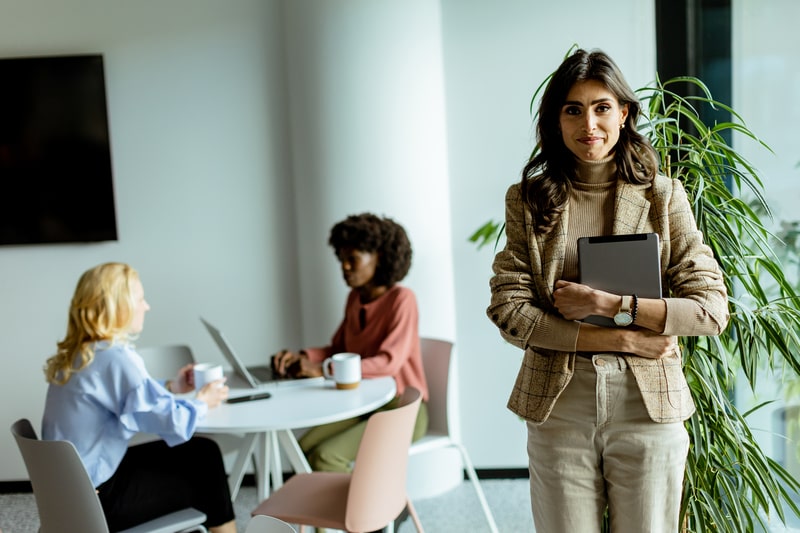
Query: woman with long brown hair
<point x="604" y="405"/>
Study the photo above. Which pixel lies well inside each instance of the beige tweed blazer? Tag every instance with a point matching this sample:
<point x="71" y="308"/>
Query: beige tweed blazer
<point x="526" y="270"/>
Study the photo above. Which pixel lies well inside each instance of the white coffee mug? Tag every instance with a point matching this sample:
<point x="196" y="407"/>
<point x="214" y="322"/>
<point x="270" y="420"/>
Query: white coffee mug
<point x="346" y="371"/>
<point x="206" y="373"/>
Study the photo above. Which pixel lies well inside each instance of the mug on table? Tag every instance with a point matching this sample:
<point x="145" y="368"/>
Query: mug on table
<point x="344" y="369"/>
<point x="206" y="373"/>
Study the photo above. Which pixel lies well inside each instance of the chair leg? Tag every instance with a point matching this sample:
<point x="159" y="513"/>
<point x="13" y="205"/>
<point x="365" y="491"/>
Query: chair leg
<point x="473" y="476"/>
<point x="414" y="516"/>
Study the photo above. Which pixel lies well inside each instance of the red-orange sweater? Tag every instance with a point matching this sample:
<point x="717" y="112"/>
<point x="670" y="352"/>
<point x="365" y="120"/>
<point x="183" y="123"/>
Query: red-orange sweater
<point x="387" y="338"/>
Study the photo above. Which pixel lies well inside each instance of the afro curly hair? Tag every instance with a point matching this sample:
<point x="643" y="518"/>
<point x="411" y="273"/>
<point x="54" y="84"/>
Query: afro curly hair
<point x="370" y="233"/>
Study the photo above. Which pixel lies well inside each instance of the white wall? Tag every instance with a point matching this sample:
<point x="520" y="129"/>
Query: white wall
<point x="494" y="60"/>
<point x="212" y="196"/>
<point x="198" y="124"/>
<point x="368" y="134"/>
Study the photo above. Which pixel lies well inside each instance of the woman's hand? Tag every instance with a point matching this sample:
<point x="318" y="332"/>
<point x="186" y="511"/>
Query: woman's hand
<point x="634" y="340"/>
<point x="285" y="360"/>
<point x="295" y="364"/>
<point x="308" y="368"/>
<point x="576" y="301"/>
<point x="649" y="344"/>
<point x="184" y="381"/>
<point x="213" y="393"/>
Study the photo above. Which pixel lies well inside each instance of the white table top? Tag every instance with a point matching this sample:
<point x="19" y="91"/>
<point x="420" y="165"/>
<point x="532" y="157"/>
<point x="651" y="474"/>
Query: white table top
<point x="297" y="407"/>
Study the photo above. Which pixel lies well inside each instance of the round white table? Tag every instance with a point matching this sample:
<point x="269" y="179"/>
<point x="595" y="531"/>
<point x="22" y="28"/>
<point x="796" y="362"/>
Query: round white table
<point x="267" y="424"/>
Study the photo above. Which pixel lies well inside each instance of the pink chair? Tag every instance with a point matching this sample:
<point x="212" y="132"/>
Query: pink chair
<point x="369" y="498"/>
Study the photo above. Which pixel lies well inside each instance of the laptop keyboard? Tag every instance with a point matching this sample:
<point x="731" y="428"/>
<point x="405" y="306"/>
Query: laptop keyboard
<point x="261" y="373"/>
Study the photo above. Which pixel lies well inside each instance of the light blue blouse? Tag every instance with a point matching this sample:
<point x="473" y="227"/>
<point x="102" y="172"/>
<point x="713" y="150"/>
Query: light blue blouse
<point x="101" y="407"/>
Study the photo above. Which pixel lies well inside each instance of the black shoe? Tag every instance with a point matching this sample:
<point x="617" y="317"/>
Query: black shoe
<point x="401" y="518"/>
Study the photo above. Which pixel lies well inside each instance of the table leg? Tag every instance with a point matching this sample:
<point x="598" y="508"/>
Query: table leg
<point x="237" y="471"/>
<point x="265" y="449"/>
<point x="293" y="452"/>
<point x="262" y="461"/>
<point x="275" y="469"/>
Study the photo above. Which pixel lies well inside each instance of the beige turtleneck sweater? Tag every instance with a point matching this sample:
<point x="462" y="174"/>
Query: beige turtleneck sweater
<point x="591" y="208"/>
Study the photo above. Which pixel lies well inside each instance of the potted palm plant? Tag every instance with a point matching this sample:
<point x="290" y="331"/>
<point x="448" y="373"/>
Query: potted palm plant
<point x="730" y="484"/>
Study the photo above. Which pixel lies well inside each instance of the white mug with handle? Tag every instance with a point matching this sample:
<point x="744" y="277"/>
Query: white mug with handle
<point x="344" y="369"/>
<point x="206" y="373"/>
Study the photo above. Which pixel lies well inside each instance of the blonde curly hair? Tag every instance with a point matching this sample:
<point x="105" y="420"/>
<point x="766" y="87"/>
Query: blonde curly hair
<point x="102" y="309"/>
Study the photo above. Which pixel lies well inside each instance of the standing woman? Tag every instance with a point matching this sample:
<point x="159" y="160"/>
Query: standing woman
<point x="381" y="323"/>
<point x="100" y="395"/>
<point x="604" y="405"/>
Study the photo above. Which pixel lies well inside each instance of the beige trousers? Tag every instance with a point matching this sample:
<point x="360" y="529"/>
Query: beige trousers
<point x="600" y="450"/>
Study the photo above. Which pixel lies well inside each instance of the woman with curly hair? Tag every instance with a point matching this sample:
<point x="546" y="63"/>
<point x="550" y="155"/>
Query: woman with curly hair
<point x="380" y="323"/>
<point x="100" y="395"/>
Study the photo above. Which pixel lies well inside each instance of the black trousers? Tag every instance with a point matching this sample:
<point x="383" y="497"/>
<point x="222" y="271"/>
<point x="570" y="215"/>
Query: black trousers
<point x="154" y="479"/>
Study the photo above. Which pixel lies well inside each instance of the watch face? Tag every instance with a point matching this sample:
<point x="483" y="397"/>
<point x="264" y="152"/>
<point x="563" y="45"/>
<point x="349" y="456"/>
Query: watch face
<point x="623" y="319"/>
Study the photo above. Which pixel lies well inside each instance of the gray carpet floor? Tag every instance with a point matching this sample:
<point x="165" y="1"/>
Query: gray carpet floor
<point x="456" y="511"/>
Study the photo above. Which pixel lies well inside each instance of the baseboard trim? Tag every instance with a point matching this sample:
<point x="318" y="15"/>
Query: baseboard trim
<point x="14" y="487"/>
<point x="501" y="473"/>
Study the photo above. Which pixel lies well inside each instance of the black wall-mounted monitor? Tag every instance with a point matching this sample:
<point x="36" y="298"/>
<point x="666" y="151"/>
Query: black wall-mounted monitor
<point x="56" y="183"/>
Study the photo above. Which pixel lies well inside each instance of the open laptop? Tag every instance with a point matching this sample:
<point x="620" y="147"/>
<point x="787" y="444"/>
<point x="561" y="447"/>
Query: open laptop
<point x="255" y="376"/>
<point x="620" y="264"/>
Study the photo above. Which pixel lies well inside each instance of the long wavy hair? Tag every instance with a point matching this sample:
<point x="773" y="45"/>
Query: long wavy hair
<point x="102" y="309"/>
<point x="370" y="233"/>
<point x="546" y="178"/>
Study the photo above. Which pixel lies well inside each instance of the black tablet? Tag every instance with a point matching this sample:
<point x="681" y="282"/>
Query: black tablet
<point x="620" y="264"/>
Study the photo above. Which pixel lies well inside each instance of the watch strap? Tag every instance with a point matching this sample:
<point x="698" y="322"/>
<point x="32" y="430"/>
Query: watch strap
<point x="625" y="306"/>
<point x="624" y="317"/>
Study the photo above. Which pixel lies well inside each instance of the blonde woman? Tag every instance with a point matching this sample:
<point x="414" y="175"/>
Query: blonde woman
<point x="100" y="395"/>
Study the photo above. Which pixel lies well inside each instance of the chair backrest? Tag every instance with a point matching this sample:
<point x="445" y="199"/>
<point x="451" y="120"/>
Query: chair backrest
<point x="436" y="357"/>
<point x="377" y="492"/>
<point x="163" y="362"/>
<point x="268" y="524"/>
<point x="65" y="496"/>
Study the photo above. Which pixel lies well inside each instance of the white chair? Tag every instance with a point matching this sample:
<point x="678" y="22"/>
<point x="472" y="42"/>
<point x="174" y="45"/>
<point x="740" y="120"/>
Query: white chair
<point x="163" y="362"/>
<point x="436" y="358"/>
<point x="268" y="524"/>
<point x="65" y="496"/>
